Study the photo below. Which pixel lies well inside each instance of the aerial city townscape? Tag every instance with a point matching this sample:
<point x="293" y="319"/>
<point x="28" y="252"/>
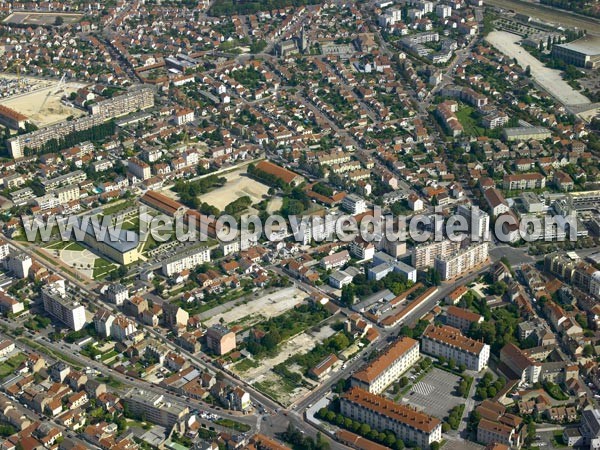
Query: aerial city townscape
<point x="300" y="224"/>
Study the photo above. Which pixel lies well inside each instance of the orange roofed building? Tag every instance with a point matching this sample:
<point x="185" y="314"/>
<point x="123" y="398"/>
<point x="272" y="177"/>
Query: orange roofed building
<point x="388" y="367"/>
<point x="382" y="414"/>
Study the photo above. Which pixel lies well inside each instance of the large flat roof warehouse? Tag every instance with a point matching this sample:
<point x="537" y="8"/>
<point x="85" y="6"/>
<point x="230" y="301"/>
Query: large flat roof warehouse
<point x="588" y="45"/>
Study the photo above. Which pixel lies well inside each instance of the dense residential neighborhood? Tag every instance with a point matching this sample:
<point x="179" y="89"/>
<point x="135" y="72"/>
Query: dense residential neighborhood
<point x="179" y="185"/>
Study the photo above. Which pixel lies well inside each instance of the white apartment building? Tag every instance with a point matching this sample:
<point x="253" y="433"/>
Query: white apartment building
<point x="184" y="116"/>
<point x="63" y="308"/>
<point x="450" y="343"/>
<point x="388" y="367"/>
<point x="67" y="194"/>
<point x="443" y="11"/>
<point x="186" y="260"/>
<point x="121" y="328"/>
<point x="496" y="201"/>
<point x="77" y="176"/>
<point x="462" y="261"/>
<point x="154" y="407"/>
<point x="139" y="168"/>
<point x="134" y="100"/>
<point x="382" y="414"/>
<point x="478" y="221"/>
<point x="425" y="254"/>
<point x="116" y="293"/>
<point x="354" y="204"/>
<point x="4" y="250"/>
<point x="19" y="265"/>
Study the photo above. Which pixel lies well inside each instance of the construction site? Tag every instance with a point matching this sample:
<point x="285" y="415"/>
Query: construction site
<point x="40" y="99"/>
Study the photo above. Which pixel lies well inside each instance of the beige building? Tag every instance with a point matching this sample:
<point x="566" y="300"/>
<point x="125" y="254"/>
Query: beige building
<point x="154" y="408"/>
<point x="449" y="342"/>
<point x="388" y="367"/>
<point x="382" y="414"/>
<point x="220" y="340"/>
<point x="425" y="254"/>
<point x="462" y="261"/>
<point x="139" y="168"/>
<point x="186" y="260"/>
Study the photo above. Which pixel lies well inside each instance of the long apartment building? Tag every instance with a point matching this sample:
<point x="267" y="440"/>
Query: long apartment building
<point x="67" y="179"/>
<point x="523" y="181"/>
<point x="426" y="254"/>
<point x="64" y="308"/>
<point x="382" y="414"/>
<point x="388" y="367"/>
<point x="154" y="408"/>
<point x="134" y="100"/>
<point x="186" y="260"/>
<point x="450" y="343"/>
<point x="130" y="102"/>
<point x="456" y="264"/>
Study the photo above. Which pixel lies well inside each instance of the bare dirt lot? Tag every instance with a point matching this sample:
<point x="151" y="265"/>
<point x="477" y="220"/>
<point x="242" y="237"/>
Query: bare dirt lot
<point x="549" y="79"/>
<point x="262" y="308"/>
<point x="41" y="18"/>
<point x="263" y="378"/>
<point x="43" y="105"/>
<point x="238" y="185"/>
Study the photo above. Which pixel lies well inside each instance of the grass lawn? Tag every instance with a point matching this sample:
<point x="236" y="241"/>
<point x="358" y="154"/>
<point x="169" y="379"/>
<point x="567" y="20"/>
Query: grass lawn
<point x="58" y="245"/>
<point x="233" y="424"/>
<point x="246" y="364"/>
<point x="132" y="224"/>
<point x="75" y="246"/>
<point x="108" y="355"/>
<point x="115" y="208"/>
<point x="8" y="366"/>
<point x="469" y="123"/>
<point x="102" y="268"/>
<point x="557" y="439"/>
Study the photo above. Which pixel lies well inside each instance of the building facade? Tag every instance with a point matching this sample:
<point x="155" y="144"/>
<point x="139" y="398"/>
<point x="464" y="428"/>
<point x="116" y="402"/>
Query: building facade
<point x="382" y="414"/>
<point x="388" y="367"/>
<point x="449" y="342"/>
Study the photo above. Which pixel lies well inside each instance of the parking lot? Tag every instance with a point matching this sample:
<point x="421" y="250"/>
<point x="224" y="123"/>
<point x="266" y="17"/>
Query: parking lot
<point x="435" y="393"/>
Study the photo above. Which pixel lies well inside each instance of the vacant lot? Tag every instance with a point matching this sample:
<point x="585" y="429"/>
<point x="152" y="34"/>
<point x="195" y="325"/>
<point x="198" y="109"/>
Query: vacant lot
<point x="261" y="375"/>
<point x="238" y="185"/>
<point x="43" y="106"/>
<point x="549" y="79"/>
<point x="41" y="18"/>
<point x="255" y="311"/>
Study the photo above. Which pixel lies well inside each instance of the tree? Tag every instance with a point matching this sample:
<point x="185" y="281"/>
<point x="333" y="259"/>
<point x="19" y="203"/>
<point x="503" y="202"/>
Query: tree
<point x="364" y="429"/>
<point x="390" y="440"/>
<point x="588" y="350"/>
<point x="528" y="71"/>
<point x="59" y="21"/>
<point x="321" y="443"/>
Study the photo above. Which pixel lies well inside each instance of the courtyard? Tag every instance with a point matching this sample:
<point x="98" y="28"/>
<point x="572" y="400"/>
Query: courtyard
<point x="435" y="393"/>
